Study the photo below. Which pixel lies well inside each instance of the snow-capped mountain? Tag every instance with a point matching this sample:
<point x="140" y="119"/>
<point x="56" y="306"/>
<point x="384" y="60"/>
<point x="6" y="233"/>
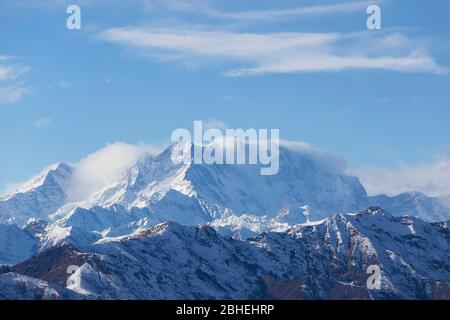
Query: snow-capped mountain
<point x="217" y="191"/>
<point x="415" y="204"/>
<point x="320" y="260"/>
<point x="39" y="197"/>
<point x="201" y="193"/>
<point x="234" y="199"/>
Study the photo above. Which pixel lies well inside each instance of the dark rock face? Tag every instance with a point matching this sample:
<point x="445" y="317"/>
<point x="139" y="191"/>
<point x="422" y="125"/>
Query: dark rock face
<point x="52" y="265"/>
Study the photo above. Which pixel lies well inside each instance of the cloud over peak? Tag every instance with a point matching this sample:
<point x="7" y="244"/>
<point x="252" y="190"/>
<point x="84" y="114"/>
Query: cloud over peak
<point x="105" y="166"/>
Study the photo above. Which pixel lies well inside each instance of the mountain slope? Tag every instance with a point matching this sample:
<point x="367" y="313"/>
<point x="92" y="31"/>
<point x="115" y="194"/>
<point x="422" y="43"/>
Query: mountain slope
<point x="16" y="244"/>
<point x="322" y="260"/>
<point x="415" y="204"/>
<point x="39" y="197"/>
<point x="18" y="287"/>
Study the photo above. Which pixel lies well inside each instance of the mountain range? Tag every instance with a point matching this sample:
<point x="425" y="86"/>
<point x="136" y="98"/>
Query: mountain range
<point x="162" y="230"/>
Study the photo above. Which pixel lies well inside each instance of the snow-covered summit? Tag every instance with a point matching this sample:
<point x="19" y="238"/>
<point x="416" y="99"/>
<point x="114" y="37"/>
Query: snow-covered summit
<point x="39" y="197"/>
<point x="200" y="193"/>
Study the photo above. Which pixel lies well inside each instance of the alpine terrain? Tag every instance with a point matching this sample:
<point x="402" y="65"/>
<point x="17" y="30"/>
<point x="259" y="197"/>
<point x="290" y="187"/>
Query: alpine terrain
<point x="157" y="229"/>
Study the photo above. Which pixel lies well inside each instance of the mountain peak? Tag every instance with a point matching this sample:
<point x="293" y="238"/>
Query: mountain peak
<point x="373" y="211"/>
<point x="180" y="191"/>
<point x="58" y="169"/>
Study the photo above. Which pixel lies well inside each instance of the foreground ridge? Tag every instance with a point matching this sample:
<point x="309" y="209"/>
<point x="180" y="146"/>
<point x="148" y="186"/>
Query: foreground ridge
<point x="326" y="260"/>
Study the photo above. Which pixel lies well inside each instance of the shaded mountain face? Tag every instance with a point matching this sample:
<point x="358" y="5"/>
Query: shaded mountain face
<point x="18" y="287"/>
<point x="16" y="244"/>
<point x="326" y="260"/>
<point x="303" y="179"/>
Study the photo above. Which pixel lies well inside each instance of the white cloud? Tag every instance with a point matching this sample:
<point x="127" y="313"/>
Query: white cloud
<point x="10" y="187"/>
<point x="13" y="93"/>
<point x="214" y="124"/>
<point x="64" y="84"/>
<point x="276" y="14"/>
<point x="12" y="71"/>
<point x="43" y="122"/>
<point x="104" y="167"/>
<point x="203" y="7"/>
<point x="5" y="72"/>
<point x="327" y="62"/>
<point x="286" y="52"/>
<point x="324" y="159"/>
<point x="432" y="179"/>
<point x="4" y="57"/>
<point x="206" y="8"/>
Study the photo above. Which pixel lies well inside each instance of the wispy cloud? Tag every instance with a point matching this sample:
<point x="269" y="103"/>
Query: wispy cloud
<point x="430" y="178"/>
<point x="64" y="84"/>
<point x="11" y="71"/>
<point x="13" y="93"/>
<point x="43" y="122"/>
<point x="278" y="52"/>
<point x="4" y="57"/>
<point x="215" y="124"/>
<point x="272" y="14"/>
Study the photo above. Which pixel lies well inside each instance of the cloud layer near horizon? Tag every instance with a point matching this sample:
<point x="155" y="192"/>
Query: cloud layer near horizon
<point x="432" y="178"/>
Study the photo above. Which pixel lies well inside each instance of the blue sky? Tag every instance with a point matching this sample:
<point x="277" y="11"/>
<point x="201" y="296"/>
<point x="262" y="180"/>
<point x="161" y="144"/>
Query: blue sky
<point x="139" y="69"/>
